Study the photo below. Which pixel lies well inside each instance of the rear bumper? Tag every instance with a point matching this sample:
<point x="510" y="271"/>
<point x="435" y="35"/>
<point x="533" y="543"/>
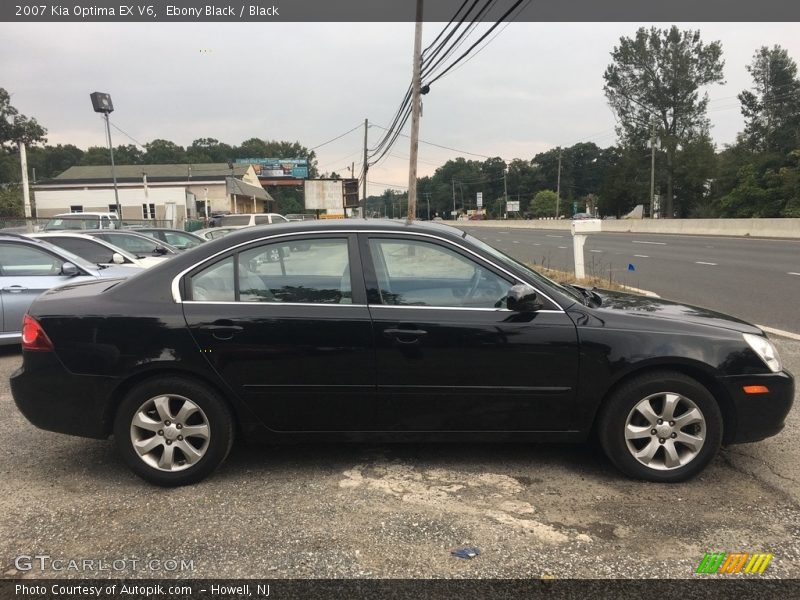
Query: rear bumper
<point x="55" y="399"/>
<point x="759" y="416"/>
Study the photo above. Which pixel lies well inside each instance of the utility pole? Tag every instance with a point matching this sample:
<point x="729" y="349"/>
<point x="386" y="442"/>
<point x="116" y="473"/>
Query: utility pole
<point x="505" y="190"/>
<point x="366" y="169"/>
<point x="652" y="166"/>
<point x="113" y="168"/>
<point x="454" y="197"/>
<point x="26" y="193"/>
<point x="416" y="84"/>
<point x="558" y="184"/>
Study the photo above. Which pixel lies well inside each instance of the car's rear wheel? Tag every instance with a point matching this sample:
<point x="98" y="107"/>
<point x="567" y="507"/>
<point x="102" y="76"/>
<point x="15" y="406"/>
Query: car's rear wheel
<point x="173" y="431"/>
<point x="661" y="426"/>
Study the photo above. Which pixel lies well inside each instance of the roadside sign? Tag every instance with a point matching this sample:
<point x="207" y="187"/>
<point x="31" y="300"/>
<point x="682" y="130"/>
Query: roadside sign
<point x="480" y="199"/>
<point x="512" y="206"/>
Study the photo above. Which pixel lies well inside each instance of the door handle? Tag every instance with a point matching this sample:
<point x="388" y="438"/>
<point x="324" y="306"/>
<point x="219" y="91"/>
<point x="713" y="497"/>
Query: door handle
<point x="220" y="331"/>
<point x="14" y="289"/>
<point x="399" y="334"/>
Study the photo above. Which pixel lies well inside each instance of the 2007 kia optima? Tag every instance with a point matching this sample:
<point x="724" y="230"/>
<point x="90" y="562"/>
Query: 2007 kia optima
<point x="366" y="329"/>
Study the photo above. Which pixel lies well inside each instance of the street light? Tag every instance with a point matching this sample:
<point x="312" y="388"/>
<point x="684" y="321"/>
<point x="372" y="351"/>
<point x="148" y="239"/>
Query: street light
<point x="101" y="102"/>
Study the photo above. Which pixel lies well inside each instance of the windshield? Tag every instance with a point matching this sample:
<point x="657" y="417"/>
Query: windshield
<point x="75" y="223"/>
<point x="69" y="256"/>
<point x="236" y="220"/>
<point x="533" y="275"/>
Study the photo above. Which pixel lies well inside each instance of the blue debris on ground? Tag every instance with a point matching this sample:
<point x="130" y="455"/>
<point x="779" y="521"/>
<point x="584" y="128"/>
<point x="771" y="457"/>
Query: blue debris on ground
<point x="467" y="552"/>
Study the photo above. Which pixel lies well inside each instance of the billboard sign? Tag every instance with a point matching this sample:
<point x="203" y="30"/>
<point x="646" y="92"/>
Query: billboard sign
<point x="324" y="194"/>
<point x="274" y="168"/>
<point x="512" y="206"/>
<point x="479" y="199"/>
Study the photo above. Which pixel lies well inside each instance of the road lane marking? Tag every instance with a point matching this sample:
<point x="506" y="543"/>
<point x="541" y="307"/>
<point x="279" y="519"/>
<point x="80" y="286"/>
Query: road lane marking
<point x="548" y="235"/>
<point x="791" y="273"/>
<point x="780" y="332"/>
<point x="700" y="262"/>
<point x="641" y="256"/>
<point x="598" y="251"/>
<point x="537" y="244"/>
<point x="654" y="243"/>
<point x="563" y="247"/>
<point x="515" y="241"/>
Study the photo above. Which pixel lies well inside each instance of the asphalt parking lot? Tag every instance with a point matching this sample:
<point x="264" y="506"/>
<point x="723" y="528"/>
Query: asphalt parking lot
<point x="390" y="511"/>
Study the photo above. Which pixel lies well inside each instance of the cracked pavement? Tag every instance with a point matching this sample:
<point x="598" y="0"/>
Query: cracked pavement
<point x="395" y="510"/>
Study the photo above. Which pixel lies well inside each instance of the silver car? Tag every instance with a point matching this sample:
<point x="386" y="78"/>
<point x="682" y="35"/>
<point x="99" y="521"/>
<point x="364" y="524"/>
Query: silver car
<point x="29" y="267"/>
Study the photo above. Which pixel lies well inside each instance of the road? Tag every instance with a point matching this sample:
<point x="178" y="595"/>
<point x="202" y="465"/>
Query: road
<point x="755" y="279"/>
<point x="392" y="511"/>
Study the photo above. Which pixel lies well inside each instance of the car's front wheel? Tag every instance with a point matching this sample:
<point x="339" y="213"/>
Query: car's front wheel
<point x="173" y="431"/>
<point x="661" y="426"/>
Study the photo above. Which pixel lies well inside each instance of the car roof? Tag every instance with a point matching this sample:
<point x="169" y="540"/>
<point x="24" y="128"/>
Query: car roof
<point x="43" y="235"/>
<point x="43" y="243"/>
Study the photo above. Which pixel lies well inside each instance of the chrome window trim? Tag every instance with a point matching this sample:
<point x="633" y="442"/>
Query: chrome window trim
<point x="256" y="303"/>
<point x="175" y="286"/>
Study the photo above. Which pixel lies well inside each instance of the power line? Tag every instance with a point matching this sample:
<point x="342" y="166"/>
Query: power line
<point x="472" y="47"/>
<point x="336" y="138"/>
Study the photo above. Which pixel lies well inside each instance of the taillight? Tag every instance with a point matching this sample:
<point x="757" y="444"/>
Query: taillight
<point x="33" y="336"/>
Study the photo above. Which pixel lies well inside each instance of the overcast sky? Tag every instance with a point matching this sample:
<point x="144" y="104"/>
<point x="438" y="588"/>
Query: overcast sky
<point x="534" y="87"/>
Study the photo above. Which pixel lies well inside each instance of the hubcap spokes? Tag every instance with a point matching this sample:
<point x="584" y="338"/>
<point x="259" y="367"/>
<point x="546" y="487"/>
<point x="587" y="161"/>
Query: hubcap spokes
<point x="170" y="432"/>
<point x="665" y="431"/>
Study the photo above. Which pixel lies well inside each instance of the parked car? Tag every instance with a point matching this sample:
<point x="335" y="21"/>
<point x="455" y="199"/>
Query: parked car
<point x="29" y="267"/>
<point x="248" y="220"/>
<point x="81" y="221"/>
<point x="213" y="233"/>
<point x="388" y="331"/>
<point x="301" y="217"/>
<point x="182" y="240"/>
<point x="140" y="245"/>
<point x="582" y="216"/>
<point x="96" y="250"/>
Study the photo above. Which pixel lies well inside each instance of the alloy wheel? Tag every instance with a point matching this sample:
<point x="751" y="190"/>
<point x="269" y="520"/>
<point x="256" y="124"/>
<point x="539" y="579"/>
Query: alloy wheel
<point x="665" y="431"/>
<point x="170" y="432"/>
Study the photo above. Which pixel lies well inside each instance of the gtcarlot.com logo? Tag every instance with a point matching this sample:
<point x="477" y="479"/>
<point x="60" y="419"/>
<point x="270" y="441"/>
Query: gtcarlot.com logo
<point x="721" y="563"/>
<point x="45" y="562"/>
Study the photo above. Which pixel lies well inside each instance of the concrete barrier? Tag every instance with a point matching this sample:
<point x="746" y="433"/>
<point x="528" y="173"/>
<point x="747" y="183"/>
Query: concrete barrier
<point x="766" y="228"/>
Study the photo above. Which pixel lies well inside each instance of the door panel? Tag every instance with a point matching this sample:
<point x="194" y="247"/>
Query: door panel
<point x="474" y="370"/>
<point x="294" y="336"/>
<point x="450" y="357"/>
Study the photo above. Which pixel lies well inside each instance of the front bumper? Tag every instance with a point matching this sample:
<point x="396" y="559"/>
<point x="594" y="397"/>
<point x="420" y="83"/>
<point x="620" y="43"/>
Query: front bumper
<point x="53" y="398"/>
<point x="758" y="416"/>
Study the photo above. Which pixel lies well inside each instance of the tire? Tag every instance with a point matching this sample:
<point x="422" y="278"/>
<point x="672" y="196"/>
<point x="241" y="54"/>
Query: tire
<point x="681" y="447"/>
<point x="153" y="417"/>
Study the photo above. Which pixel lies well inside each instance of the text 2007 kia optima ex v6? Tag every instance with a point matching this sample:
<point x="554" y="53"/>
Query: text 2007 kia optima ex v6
<point x="363" y="330"/>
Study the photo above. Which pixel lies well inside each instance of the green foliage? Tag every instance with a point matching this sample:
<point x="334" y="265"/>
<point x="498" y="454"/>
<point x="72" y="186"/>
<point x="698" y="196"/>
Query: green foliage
<point x="11" y="201"/>
<point x="15" y="127"/>
<point x="772" y="109"/>
<point x="544" y="204"/>
<point x="655" y="81"/>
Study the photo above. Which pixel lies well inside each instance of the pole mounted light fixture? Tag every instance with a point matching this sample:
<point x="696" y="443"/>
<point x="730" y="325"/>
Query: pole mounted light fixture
<point x="101" y="103"/>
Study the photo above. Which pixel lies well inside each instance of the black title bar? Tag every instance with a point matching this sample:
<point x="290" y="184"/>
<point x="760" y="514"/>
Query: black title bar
<point x="151" y="11"/>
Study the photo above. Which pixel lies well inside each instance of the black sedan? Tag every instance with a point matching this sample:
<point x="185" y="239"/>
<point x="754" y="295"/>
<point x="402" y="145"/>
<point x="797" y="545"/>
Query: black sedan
<point x="390" y="331"/>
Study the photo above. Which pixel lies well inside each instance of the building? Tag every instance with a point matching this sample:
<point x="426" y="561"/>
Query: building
<point x="162" y="192"/>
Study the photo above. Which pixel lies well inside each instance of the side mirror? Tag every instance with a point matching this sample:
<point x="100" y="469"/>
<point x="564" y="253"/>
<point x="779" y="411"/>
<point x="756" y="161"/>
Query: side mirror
<point x="69" y="269"/>
<point x="117" y="258"/>
<point x="522" y="298"/>
<point x="161" y="250"/>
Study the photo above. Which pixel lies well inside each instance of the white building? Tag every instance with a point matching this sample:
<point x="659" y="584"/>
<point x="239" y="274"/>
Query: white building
<point x="162" y="192"/>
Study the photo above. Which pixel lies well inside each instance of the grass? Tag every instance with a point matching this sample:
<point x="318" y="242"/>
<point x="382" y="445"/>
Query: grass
<point x="605" y="283"/>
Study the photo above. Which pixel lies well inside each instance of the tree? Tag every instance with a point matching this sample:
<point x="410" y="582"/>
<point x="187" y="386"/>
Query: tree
<point x="164" y="152"/>
<point x="544" y="204"/>
<point x="655" y="81"/>
<point x="15" y="128"/>
<point x="772" y="109"/>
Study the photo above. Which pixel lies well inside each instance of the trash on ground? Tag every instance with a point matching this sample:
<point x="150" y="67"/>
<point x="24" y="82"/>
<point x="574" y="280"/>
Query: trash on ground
<point x="467" y="552"/>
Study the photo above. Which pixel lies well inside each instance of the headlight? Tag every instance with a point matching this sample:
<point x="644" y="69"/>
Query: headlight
<point x="764" y="348"/>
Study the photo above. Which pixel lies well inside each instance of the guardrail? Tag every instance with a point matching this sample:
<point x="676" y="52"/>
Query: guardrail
<point x="767" y="228"/>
